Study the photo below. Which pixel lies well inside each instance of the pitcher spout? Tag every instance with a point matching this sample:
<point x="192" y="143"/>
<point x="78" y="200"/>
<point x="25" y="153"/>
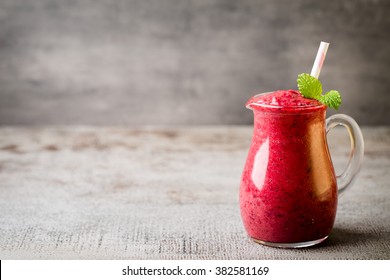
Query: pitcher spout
<point x="255" y="101"/>
<point x="251" y="102"/>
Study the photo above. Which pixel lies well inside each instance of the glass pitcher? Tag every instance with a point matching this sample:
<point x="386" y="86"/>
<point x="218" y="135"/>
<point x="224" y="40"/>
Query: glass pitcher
<point x="289" y="190"/>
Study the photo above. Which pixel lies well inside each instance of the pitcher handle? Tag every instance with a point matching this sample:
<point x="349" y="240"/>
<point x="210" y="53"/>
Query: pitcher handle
<point x="348" y="176"/>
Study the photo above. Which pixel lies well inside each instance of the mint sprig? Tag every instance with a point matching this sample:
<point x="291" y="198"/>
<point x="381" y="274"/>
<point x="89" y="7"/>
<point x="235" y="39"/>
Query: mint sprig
<point x="311" y="87"/>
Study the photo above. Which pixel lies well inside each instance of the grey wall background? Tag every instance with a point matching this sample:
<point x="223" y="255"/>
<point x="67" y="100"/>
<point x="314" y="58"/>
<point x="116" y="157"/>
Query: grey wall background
<point x="184" y="61"/>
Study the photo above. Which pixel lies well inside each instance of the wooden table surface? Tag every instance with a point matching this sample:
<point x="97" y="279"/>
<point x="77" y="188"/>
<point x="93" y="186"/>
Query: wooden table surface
<point x="164" y="193"/>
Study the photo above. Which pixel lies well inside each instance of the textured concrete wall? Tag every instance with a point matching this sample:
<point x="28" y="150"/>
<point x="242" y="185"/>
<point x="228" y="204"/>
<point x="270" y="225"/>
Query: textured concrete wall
<point x="184" y="61"/>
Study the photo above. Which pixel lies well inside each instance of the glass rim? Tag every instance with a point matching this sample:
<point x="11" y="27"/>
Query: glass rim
<point x="274" y="108"/>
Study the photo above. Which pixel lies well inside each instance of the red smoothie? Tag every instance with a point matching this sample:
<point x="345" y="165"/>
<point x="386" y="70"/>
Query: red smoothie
<point x="288" y="191"/>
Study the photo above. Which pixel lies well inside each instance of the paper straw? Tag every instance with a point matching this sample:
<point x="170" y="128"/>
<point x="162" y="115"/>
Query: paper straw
<point x="315" y="71"/>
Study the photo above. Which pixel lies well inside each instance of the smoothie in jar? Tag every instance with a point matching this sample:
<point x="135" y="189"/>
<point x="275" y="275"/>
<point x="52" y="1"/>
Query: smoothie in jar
<point x="288" y="191"/>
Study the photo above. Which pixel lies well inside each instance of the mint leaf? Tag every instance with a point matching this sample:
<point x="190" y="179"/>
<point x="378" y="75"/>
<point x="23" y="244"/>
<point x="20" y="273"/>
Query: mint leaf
<point x="331" y="99"/>
<point x="309" y="86"/>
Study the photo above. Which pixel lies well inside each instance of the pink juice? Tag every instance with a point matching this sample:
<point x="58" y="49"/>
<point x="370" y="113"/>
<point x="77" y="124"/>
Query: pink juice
<point x="288" y="191"/>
